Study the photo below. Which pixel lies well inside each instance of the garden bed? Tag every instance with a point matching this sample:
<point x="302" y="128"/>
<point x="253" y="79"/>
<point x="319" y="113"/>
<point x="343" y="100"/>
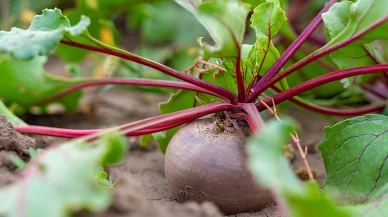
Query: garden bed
<point x="141" y="179"/>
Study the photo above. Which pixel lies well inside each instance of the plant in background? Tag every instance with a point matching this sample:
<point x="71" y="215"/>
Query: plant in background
<point x="232" y="80"/>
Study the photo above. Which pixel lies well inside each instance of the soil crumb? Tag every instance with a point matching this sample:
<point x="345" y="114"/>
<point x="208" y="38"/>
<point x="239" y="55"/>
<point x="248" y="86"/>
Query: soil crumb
<point x="12" y="142"/>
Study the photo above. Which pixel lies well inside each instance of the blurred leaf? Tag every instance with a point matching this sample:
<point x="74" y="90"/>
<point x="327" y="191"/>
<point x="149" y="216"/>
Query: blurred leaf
<point x="99" y="28"/>
<point x="61" y="181"/>
<point x="177" y="102"/>
<point x="102" y="177"/>
<point x="313" y="70"/>
<point x="272" y="170"/>
<point x="266" y="157"/>
<point x="353" y="55"/>
<point x="368" y="18"/>
<point x="116" y="150"/>
<point x="227" y="31"/>
<point x="145" y="140"/>
<point x="13" y="119"/>
<point x="73" y="69"/>
<point x="26" y="83"/>
<point x="157" y="54"/>
<point x="42" y="36"/>
<point x="18" y="161"/>
<point x="385" y="112"/>
<point x="151" y="18"/>
<point x="355" y="155"/>
<point x="183" y="59"/>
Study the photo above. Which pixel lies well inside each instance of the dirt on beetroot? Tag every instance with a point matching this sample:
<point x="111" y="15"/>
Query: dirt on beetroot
<point x="142" y="189"/>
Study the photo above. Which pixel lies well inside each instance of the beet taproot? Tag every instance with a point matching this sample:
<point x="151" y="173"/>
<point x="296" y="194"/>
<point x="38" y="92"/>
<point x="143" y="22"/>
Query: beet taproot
<point x="206" y="161"/>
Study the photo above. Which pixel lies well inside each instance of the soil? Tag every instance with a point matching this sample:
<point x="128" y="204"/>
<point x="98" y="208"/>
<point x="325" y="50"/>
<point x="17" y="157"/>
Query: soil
<point x="142" y="189"/>
<point x="11" y="142"/>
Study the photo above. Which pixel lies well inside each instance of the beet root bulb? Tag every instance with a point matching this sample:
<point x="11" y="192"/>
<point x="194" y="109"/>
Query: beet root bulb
<point x="206" y="161"/>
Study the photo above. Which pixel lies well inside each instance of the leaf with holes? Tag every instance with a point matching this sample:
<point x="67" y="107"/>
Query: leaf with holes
<point x="42" y="36"/>
<point x="227" y="31"/>
<point x="355" y="153"/>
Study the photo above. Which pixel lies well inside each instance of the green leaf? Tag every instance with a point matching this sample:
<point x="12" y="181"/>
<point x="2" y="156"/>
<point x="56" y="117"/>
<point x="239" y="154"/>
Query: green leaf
<point x="190" y="5"/>
<point x="222" y="79"/>
<point x="102" y="177"/>
<point x="116" y="150"/>
<point x="272" y="170"/>
<point x="385" y="112"/>
<point x="26" y="83"/>
<point x="266" y="20"/>
<point x="61" y="181"/>
<point x="177" y="102"/>
<point x="18" y="161"/>
<point x="313" y="70"/>
<point x="254" y="3"/>
<point x="99" y="28"/>
<point x="34" y="152"/>
<point x="266" y="157"/>
<point x="145" y="140"/>
<point x="367" y="18"/>
<point x="248" y="63"/>
<point x="379" y="208"/>
<point x="355" y="155"/>
<point x="151" y="18"/>
<point x="42" y="36"/>
<point x="227" y="31"/>
<point x="353" y="55"/>
<point x="13" y="119"/>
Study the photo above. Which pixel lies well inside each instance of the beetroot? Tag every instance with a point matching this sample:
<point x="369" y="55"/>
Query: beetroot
<point x="206" y="161"/>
